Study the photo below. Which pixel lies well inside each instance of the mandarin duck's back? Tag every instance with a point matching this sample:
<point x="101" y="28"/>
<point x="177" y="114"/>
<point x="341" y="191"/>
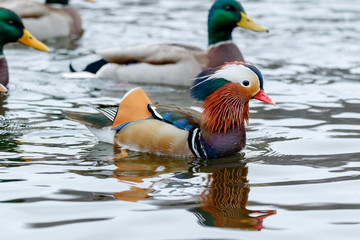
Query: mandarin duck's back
<point x="139" y="124"/>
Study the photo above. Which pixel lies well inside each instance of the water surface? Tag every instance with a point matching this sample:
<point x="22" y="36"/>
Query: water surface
<point x="297" y="178"/>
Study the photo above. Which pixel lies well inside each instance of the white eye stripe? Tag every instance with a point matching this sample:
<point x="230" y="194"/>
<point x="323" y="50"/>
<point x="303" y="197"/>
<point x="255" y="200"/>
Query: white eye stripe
<point x="236" y="73"/>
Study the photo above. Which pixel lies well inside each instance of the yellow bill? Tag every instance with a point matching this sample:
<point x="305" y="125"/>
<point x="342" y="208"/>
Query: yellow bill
<point x="247" y="23"/>
<point x="90" y="0"/>
<point x="3" y="89"/>
<point x="29" y="40"/>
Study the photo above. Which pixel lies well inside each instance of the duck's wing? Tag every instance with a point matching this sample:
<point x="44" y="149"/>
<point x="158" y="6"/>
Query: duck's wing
<point x="183" y="118"/>
<point x="136" y="106"/>
<point x="138" y="124"/>
<point x="153" y="54"/>
<point x="157" y="129"/>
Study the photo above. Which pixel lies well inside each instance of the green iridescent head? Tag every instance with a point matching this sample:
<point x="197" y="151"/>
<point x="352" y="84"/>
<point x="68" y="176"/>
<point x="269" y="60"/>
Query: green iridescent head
<point x="11" y="28"/>
<point x="224" y="16"/>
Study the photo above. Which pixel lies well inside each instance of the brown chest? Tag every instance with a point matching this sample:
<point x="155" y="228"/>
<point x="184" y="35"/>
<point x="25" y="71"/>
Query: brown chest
<point x="4" y="74"/>
<point x="219" y="54"/>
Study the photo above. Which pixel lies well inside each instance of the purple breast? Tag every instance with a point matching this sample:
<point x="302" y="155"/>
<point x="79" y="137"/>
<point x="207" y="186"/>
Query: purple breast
<point x="226" y="52"/>
<point x="4" y="74"/>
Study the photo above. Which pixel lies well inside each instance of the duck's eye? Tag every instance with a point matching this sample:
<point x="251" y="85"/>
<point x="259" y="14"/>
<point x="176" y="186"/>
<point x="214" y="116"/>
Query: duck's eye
<point x="245" y="83"/>
<point x="229" y="8"/>
<point x="11" y="22"/>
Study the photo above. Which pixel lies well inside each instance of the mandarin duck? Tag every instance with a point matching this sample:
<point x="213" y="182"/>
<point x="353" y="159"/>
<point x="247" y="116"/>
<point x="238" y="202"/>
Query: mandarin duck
<point x="219" y="130"/>
<point x="183" y="62"/>
<point x="12" y="30"/>
<point x="55" y="18"/>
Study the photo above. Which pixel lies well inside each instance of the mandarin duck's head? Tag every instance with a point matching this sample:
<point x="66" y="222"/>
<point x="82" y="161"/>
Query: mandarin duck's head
<point x="226" y="92"/>
<point x="240" y="80"/>
<point x="225" y="15"/>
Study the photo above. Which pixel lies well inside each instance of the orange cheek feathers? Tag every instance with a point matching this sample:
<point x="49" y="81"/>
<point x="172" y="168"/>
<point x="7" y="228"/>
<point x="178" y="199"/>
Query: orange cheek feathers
<point x="225" y="109"/>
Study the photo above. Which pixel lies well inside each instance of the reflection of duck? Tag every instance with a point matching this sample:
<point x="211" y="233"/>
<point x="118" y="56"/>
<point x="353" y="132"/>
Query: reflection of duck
<point x="224" y="195"/>
<point x="224" y="203"/>
<point x="136" y="168"/>
<point x="55" y="18"/>
<point x="218" y="131"/>
<point x="175" y="64"/>
<point x="12" y="30"/>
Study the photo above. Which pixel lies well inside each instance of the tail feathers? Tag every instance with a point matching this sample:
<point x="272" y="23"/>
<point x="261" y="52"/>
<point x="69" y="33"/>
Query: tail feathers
<point x="95" y="66"/>
<point x="109" y="111"/>
<point x="76" y="74"/>
<point x="71" y="68"/>
<point x="94" y="120"/>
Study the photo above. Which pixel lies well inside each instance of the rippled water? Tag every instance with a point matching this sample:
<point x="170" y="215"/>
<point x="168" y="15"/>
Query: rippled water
<point x="297" y="178"/>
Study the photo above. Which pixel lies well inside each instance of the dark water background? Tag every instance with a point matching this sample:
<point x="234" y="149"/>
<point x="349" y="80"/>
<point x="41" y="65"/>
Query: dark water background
<point x="297" y="179"/>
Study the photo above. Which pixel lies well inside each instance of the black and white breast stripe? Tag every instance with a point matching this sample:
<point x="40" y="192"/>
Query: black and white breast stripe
<point x="194" y="141"/>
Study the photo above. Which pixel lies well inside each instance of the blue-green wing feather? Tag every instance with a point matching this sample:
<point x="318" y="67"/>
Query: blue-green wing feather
<point x="182" y="118"/>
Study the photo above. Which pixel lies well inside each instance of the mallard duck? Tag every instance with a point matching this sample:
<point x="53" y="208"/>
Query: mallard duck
<point x="12" y="30"/>
<point x="175" y="64"/>
<point x="139" y="124"/>
<point x="55" y="18"/>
